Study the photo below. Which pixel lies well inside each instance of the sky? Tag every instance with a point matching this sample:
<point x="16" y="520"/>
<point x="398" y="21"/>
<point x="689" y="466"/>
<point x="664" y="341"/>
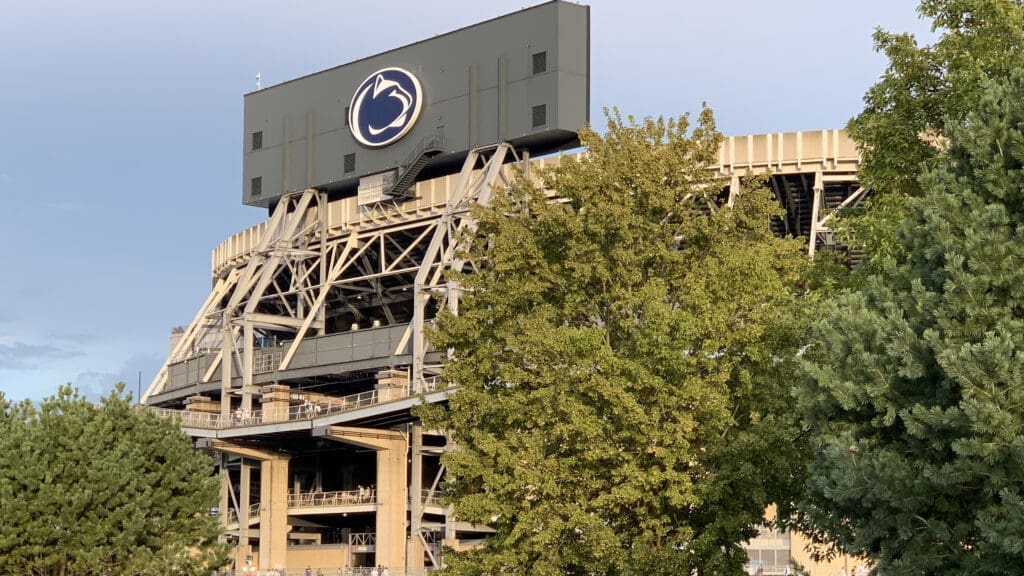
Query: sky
<point x="121" y="134"/>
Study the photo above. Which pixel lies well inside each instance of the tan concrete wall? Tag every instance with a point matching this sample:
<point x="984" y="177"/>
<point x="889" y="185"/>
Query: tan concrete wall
<point x="328" y="557"/>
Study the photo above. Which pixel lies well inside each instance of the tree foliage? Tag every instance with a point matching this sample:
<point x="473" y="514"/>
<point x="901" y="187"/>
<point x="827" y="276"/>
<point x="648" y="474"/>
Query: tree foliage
<point x="902" y="128"/>
<point x="103" y="489"/>
<point x="915" y="391"/>
<point x="623" y="357"/>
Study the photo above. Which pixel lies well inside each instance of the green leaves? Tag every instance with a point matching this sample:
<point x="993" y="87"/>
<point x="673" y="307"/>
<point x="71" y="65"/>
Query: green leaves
<point x="925" y="91"/>
<point x="623" y="356"/>
<point x="102" y="489"/>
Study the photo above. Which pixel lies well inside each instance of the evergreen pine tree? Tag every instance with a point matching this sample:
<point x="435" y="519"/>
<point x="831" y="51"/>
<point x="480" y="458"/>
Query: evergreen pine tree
<point x="102" y="490"/>
<point x="915" y="387"/>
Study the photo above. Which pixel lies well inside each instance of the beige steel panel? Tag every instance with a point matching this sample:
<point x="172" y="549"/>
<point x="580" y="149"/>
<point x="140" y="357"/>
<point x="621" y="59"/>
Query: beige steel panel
<point x="788" y="152"/>
<point x="780" y="153"/>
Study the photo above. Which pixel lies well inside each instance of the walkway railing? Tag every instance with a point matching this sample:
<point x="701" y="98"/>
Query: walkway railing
<point x="338" y="498"/>
<point x="330" y="571"/>
<point x="306" y="411"/>
<point x="254" y="512"/>
<point x="431" y="497"/>
<point x="318" y="500"/>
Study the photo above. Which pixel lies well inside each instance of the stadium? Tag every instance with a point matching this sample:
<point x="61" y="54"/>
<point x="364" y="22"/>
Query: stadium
<point x="300" y="370"/>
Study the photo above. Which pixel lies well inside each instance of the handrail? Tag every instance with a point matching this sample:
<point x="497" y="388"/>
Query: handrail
<point x="431" y="497"/>
<point x="362" y="538"/>
<point x="432" y="140"/>
<point x="306" y="411"/>
<point x="318" y="500"/>
<point x="254" y="511"/>
<point x="336" y="498"/>
<point x="334" y="570"/>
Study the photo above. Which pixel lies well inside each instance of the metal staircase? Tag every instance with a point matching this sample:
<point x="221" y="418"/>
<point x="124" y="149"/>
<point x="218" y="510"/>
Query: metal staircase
<point x="430" y="146"/>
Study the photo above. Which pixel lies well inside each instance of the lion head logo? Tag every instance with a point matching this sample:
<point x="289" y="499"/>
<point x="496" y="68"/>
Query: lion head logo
<point x="385" y="107"/>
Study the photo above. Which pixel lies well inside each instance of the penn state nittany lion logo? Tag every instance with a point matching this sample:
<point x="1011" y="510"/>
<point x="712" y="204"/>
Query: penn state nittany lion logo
<point x="385" y="107"/>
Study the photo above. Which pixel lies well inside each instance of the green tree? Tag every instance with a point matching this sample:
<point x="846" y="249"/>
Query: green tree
<point x="902" y="128"/>
<point x="915" y="390"/>
<point x="101" y="490"/>
<point x="624" y="357"/>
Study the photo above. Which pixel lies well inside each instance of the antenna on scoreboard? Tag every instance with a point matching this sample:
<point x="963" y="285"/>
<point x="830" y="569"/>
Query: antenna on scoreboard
<point x="258" y="86"/>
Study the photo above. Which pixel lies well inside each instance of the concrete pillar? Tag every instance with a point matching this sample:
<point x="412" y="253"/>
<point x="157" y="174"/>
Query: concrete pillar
<point x="392" y="485"/>
<point x="206" y="408"/>
<point x="200" y="403"/>
<point x="276" y="402"/>
<point x="273" y="513"/>
<point x="392" y="495"/>
<point x="392" y="385"/>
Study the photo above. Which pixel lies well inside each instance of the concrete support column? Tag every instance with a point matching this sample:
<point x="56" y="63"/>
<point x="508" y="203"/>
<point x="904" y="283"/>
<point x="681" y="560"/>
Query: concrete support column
<point x="392" y="485"/>
<point x="392" y="495"/>
<point x="201" y="403"/>
<point x="273" y="513"/>
<point x="276" y="402"/>
<point x="204" y="407"/>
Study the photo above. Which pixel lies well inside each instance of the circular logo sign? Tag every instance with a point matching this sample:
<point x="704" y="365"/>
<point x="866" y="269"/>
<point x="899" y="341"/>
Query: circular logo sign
<point x="385" y="107"/>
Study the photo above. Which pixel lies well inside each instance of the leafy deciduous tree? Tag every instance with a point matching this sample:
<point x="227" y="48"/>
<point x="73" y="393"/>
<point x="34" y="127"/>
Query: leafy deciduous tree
<point x="624" y="360"/>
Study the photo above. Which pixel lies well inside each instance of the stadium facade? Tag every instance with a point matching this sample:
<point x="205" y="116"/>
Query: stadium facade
<point x="300" y="370"/>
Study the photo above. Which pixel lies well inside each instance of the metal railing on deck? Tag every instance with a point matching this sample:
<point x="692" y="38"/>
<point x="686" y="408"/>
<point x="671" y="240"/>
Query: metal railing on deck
<point x="305" y="411"/>
<point x="330" y="571"/>
<point x="431" y="497"/>
<point x="190" y="418"/>
<point x="254" y="512"/>
<point x="266" y="361"/>
<point x="338" y="498"/>
<point x="318" y="500"/>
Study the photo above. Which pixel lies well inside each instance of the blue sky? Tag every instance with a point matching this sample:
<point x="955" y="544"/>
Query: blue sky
<point x="121" y="133"/>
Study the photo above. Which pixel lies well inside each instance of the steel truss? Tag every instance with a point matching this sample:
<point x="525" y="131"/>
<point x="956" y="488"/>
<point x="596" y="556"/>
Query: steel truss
<point x="307" y="277"/>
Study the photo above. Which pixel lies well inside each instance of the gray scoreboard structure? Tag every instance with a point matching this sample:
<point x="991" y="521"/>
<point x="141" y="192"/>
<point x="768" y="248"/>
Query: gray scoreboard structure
<point x="378" y="124"/>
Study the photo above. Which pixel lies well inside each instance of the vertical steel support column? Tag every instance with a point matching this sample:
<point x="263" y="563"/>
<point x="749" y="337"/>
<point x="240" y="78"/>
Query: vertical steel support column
<point x="247" y="363"/>
<point x="414" y="548"/>
<point x="227" y="359"/>
<point x="244" y="489"/>
<point x="819" y="193"/>
<point x="225" y="486"/>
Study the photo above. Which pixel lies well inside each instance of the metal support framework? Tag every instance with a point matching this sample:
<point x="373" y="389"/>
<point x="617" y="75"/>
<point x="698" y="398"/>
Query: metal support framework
<point x="302" y="271"/>
<point x="480" y="173"/>
<point x="819" y="217"/>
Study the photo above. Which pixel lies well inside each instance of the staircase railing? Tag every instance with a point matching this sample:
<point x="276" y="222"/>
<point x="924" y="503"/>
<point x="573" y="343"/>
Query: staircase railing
<point x="433" y="142"/>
